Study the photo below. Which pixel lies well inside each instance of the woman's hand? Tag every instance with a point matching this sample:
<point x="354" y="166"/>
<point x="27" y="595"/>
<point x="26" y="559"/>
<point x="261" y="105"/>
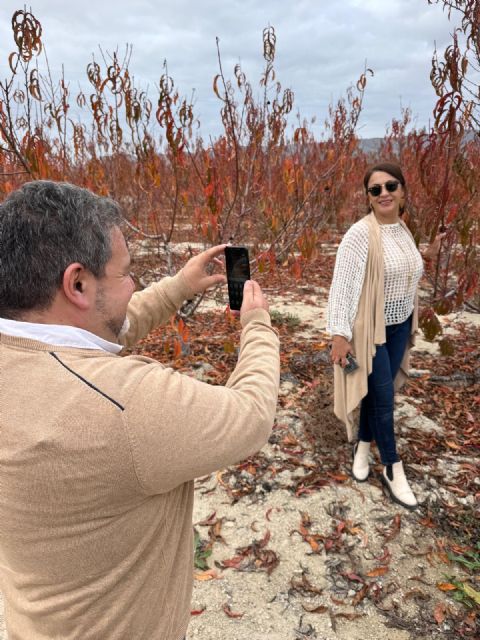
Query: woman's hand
<point x="340" y="347"/>
<point x="433" y="249"/>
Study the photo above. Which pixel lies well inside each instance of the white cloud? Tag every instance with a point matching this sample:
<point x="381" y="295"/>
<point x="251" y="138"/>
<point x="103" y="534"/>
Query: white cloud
<point x="321" y="47"/>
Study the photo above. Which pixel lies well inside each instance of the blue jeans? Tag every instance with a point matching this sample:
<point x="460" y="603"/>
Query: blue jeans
<point x="376" y="410"/>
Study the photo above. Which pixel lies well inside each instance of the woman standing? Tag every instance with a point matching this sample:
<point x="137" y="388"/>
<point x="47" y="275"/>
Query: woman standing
<point x="372" y="315"/>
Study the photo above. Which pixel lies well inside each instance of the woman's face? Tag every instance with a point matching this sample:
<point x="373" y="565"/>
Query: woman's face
<point x="386" y="205"/>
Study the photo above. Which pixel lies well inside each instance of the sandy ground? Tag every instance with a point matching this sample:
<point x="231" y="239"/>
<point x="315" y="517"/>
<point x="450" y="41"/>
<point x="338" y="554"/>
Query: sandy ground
<point x="266" y="606"/>
<point x="269" y="608"/>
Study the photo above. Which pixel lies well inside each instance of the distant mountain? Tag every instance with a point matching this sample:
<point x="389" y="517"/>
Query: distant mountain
<point x="370" y="145"/>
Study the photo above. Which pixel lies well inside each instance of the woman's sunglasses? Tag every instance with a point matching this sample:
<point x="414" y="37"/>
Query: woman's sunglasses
<point x="390" y="186"/>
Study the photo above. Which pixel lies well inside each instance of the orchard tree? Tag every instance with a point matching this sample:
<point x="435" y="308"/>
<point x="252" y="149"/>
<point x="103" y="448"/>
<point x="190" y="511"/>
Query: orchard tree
<point x="456" y="78"/>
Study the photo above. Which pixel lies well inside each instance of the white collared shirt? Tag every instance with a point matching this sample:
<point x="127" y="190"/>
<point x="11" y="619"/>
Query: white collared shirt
<point x="59" y="335"/>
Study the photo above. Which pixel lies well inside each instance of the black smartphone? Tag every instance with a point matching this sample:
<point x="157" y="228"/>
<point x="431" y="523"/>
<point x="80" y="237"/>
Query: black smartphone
<point x="351" y="364"/>
<point x="238" y="272"/>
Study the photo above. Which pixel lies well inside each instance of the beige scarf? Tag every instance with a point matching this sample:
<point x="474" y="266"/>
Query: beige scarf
<point x="368" y="331"/>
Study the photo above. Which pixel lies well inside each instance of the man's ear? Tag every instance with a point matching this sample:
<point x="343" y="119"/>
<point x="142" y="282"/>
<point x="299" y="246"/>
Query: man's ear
<point x="77" y="286"/>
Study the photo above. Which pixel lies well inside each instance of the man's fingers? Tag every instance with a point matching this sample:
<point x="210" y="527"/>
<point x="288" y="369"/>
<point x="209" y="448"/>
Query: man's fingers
<point x="207" y="282"/>
<point x="248" y="289"/>
<point x="216" y="278"/>
<point x="253" y="297"/>
<point x="252" y="289"/>
<point x="213" y="252"/>
<point x="256" y="290"/>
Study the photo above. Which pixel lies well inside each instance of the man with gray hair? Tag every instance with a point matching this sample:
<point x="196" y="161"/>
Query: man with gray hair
<point x="98" y="453"/>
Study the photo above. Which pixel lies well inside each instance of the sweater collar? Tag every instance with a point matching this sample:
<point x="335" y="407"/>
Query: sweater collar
<point x="57" y="334"/>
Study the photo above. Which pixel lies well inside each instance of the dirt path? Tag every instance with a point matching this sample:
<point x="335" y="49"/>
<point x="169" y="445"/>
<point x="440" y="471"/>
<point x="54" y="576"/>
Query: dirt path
<point x="300" y="551"/>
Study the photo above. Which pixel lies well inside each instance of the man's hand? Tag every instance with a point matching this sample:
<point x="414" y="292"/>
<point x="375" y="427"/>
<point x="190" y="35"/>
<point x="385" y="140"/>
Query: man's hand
<point x="253" y="297"/>
<point x="340" y="347"/>
<point x="195" y="271"/>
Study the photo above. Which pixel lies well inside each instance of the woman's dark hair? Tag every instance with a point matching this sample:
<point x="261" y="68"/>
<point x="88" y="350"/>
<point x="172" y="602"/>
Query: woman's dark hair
<point x="387" y="167"/>
<point x="44" y="227"/>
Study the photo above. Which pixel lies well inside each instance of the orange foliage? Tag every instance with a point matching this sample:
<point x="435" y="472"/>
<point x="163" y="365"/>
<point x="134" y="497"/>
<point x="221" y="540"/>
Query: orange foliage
<point x="252" y="184"/>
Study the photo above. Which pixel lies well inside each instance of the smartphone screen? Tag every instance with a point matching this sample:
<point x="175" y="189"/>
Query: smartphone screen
<point x="238" y="272"/>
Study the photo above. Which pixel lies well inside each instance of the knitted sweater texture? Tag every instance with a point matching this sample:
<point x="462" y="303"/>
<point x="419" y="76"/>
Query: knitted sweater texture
<point x="97" y="459"/>
<point x="402" y="266"/>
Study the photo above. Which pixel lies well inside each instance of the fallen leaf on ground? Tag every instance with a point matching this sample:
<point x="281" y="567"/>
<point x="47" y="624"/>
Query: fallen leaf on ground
<point x="349" y="616"/>
<point x="446" y="586"/>
<point x="230" y="613"/>
<point x="439" y="613"/>
<point x="210" y="574"/>
<point x="360" y="595"/>
<point x="320" y="609"/>
<point x="379" y="571"/>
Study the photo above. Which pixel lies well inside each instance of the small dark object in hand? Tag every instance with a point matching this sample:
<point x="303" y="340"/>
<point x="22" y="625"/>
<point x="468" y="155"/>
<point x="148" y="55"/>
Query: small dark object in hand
<point x="351" y="364"/>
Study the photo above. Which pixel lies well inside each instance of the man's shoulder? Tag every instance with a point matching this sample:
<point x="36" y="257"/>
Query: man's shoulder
<point x="117" y="376"/>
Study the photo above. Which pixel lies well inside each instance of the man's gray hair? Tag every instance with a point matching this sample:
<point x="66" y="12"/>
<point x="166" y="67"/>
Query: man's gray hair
<point x="44" y="227"/>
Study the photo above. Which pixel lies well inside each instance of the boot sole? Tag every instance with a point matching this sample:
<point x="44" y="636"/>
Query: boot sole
<point x="360" y="479"/>
<point x="410" y="507"/>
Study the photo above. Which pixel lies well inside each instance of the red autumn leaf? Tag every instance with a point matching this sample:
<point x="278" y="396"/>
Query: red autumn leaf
<point x="360" y="595"/>
<point x="417" y="594"/>
<point x="379" y="571"/>
<point x="230" y="613"/>
<point x="209" y="520"/>
<point x="319" y="609"/>
<point x="452" y="445"/>
<point x="446" y="586"/>
<point x="385" y="557"/>
<point x="340" y="527"/>
<point x="264" y="541"/>
<point x="304" y="586"/>
<point x="313" y="543"/>
<point x="232" y="563"/>
<point x="338" y="477"/>
<point x="452" y="214"/>
<point x="439" y="613"/>
<point x="177" y="348"/>
<point x="349" y="616"/>
<point x="353" y="577"/>
<point x="209" y="574"/>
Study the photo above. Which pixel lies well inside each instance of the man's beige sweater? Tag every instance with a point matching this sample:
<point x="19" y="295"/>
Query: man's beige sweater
<point x="97" y="459"/>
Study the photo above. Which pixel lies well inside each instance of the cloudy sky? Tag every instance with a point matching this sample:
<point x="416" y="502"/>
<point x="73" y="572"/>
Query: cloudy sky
<point x="322" y="48"/>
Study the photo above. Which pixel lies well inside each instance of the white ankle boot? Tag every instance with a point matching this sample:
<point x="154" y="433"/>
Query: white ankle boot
<point x="360" y="466"/>
<point x="393" y="477"/>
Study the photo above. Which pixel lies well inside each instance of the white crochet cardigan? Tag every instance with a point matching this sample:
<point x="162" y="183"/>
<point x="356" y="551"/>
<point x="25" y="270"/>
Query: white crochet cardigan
<point x="403" y="267"/>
